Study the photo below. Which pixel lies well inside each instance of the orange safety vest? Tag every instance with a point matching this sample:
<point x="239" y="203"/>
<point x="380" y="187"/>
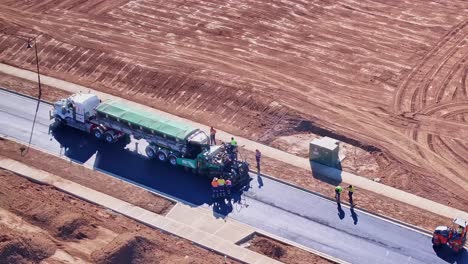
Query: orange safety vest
<point x="214" y="184"/>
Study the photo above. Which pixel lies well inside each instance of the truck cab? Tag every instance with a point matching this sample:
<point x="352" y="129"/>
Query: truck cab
<point x="76" y="108"/>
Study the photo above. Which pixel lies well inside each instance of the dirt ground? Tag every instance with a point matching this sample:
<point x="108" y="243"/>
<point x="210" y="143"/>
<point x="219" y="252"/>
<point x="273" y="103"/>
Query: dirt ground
<point x="386" y="76"/>
<point x="89" y="178"/>
<point x="283" y="252"/>
<point x="40" y="223"/>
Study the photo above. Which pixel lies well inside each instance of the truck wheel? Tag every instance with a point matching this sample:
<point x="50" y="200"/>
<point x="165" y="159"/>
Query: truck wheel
<point x="173" y="160"/>
<point x="162" y="156"/>
<point x="59" y="121"/>
<point x="109" y="137"/>
<point x="150" y="152"/>
<point x="97" y="133"/>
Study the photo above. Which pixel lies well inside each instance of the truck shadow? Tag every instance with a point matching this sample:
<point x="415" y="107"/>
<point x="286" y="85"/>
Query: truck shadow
<point x="445" y="253"/>
<point x="76" y="145"/>
<point x="116" y="160"/>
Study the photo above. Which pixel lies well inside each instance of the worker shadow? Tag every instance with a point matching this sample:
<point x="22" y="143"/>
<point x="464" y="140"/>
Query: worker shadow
<point x="341" y="212"/>
<point x="326" y="174"/>
<point x="445" y="253"/>
<point x="223" y="207"/>
<point x="354" y="216"/>
<point x="259" y="180"/>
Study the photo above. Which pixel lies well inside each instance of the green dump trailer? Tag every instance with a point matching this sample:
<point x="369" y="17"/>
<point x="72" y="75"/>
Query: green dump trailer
<point x="168" y="140"/>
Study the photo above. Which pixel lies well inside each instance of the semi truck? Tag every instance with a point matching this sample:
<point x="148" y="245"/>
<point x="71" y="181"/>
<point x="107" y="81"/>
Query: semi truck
<point x="168" y="140"/>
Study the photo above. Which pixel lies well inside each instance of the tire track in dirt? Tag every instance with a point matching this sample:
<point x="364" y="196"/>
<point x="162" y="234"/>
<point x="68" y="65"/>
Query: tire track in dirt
<point x="429" y="91"/>
<point x="410" y="87"/>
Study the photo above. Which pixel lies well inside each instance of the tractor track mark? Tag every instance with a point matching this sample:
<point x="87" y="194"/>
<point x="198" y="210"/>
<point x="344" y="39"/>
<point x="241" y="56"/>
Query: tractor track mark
<point x="404" y="88"/>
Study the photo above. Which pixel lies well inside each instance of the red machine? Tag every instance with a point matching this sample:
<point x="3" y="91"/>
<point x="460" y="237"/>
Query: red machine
<point x="454" y="237"/>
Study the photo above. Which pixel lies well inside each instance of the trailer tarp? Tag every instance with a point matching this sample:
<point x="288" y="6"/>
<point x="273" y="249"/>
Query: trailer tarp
<point x="145" y="119"/>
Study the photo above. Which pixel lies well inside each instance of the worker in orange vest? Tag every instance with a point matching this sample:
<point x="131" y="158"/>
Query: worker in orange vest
<point x="214" y="188"/>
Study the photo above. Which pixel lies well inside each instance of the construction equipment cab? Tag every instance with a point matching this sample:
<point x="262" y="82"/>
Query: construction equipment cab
<point x="76" y="108"/>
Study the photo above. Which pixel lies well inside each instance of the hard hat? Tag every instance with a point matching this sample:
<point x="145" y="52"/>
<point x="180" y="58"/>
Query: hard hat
<point x="215" y="179"/>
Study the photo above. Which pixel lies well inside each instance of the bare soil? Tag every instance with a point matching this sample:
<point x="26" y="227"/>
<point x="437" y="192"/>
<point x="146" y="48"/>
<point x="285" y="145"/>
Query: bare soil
<point x="40" y="223"/>
<point x="386" y="76"/>
<point x="86" y="177"/>
<point x="19" y="247"/>
<point x="283" y="252"/>
<point x="31" y="88"/>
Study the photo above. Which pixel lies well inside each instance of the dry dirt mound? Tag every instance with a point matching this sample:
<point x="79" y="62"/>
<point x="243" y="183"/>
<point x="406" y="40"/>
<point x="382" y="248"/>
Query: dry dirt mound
<point x="284" y="252"/>
<point x="23" y="248"/>
<point x="142" y="247"/>
<point x="270" y="249"/>
<point x="74" y="226"/>
<point x="63" y="222"/>
<point x="127" y="248"/>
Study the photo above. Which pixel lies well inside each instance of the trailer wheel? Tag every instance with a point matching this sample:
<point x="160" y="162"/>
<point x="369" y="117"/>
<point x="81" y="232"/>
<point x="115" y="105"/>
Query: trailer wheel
<point x="109" y="137"/>
<point x="162" y="156"/>
<point x="97" y="133"/>
<point x="173" y="160"/>
<point x="150" y="152"/>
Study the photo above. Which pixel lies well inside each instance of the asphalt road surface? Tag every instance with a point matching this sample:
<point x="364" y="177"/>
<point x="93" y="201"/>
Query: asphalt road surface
<point x="305" y="218"/>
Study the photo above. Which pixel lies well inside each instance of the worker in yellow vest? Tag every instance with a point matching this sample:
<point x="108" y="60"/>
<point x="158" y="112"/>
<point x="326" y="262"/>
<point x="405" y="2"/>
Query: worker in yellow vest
<point x="221" y="184"/>
<point x="233" y="148"/>
<point x="338" y="190"/>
